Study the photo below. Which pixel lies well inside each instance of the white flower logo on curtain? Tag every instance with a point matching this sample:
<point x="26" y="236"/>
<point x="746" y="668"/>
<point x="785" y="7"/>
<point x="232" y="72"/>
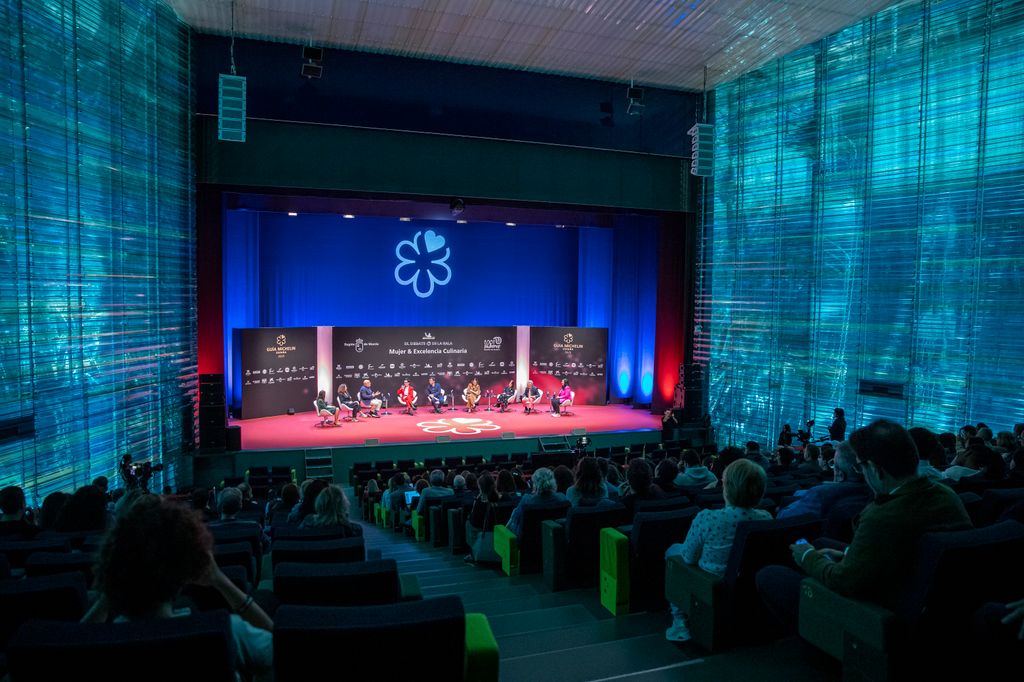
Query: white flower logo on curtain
<point x="460" y="426"/>
<point x="423" y="263"/>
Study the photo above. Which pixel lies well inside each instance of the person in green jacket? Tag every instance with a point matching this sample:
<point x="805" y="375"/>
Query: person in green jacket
<point x="876" y="566"/>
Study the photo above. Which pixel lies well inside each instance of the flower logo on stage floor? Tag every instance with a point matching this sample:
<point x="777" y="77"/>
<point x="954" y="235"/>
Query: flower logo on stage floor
<point x="423" y="263"/>
<point x="461" y="426"/>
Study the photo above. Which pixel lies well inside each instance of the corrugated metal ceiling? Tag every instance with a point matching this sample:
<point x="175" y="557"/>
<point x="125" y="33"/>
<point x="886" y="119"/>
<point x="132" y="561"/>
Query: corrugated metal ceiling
<point x="664" y="43"/>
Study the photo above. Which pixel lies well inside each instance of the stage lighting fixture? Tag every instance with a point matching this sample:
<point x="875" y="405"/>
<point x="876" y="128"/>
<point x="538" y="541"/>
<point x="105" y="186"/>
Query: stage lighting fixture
<point x="405" y="220"/>
<point x="456" y="206"/>
<point x="348" y="216"/>
<point x="292" y="213"/>
<point x="461" y="221"/>
<point x="511" y="224"/>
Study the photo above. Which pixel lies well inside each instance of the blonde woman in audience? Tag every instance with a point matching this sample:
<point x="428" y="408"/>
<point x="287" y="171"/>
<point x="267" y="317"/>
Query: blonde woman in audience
<point x="331" y="511"/>
<point x="709" y="542"/>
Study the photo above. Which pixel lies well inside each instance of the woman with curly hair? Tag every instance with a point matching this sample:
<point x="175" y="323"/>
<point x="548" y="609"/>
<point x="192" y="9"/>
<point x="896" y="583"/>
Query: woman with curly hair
<point x="155" y="548"/>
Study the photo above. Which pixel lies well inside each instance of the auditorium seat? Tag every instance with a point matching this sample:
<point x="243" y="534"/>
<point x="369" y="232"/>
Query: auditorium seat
<point x="51" y="597"/>
<point x="474" y="460"/>
<point x="310" y="534"/>
<point x="633" y="558"/>
<point x="318" y="551"/>
<point x="5" y="567"/>
<point x="18" y="551"/>
<point x="432" y="463"/>
<point x="439" y="519"/>
<point x="236" y="554"/>
<point x="720" y="607"/>
<point x="421" y="520"/>
<point x="663" y="505"/>
<point x="436" y="633"/>
<point x="995" y="502"/>
<point x="954" y="574"/>
<point x="522" y="553"/>
<point x="571" y="549"/>
<point x="197" y="646"/>
<point x="839" y="523"/>
<point x="360" y="583"/>
<point x="206" y="598"/>
<point x="51" y="563"/>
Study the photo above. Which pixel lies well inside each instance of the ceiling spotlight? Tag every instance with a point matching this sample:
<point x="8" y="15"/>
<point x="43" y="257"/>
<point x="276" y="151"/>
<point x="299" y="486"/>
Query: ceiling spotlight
<point x="460" y="221"/>
<point x="349" y="216"/>
<point x="405" y="220"/>
<point x="292" y="213"/>
<point x="456" y="206"/>
<point x="511" y="224"/>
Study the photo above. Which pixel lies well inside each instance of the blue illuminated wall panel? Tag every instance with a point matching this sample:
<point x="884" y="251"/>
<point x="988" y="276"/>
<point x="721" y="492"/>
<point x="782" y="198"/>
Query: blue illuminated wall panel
<point x="97" y="267"/>
<point x="867" y="224"/>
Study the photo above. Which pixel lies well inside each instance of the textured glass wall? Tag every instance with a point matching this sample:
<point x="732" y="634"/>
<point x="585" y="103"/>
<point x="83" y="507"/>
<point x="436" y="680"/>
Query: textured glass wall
<point x="868" y="225"/>
<point x="97" y="275"/>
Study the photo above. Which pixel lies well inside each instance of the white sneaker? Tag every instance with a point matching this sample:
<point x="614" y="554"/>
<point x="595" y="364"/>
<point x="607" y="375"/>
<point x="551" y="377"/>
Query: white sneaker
<point x="555" y="414"/>
<point x="678" y="633"/>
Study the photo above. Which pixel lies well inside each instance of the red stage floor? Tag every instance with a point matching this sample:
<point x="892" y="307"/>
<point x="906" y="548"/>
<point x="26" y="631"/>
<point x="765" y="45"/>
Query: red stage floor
<point x="303" y="430"/>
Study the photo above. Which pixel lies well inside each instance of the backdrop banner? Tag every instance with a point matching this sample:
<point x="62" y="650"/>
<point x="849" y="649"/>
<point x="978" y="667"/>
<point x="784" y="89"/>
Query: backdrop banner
<point x="387" y="355"/>
<point x="578" y="354"/>
<point x="278" y="370"/>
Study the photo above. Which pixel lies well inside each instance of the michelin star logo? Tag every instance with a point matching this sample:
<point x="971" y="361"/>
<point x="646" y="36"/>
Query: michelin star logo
<point x="423" y="263"/>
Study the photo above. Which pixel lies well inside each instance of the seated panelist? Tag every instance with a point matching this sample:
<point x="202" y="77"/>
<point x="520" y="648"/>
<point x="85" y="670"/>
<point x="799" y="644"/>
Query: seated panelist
<point x="407" y="396"/>
<point x="435" y="394"/>
<point x="370" y="398"/>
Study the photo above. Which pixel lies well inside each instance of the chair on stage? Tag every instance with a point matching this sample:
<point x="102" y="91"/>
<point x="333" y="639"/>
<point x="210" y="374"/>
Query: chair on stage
<point x="465" y="398"/>
<point x="443" y="403"/>
<point x="562" y="407"/>
<point x="351" y="412"/>
<point x="325" y="415"/>
<point x="415" y="397"/>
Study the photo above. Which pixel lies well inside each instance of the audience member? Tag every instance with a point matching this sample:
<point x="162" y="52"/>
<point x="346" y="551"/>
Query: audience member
<point x="977" y="461"/>
<point x="726" y="456"/>
<point x="753" y="453"/>
<point x="481" y="516"/>
<point x="287" y="501"/>
<point x="435" y="489"/>
<point x="810" y="465"/>
<point x="331" y="510"/>
<point x="13" y="524"/>
<point x="665" y="477"/>
<point x="52" y="504"/>
<point x="307" y="505"/>
<point x="784" y="458"/>
<point x="694" y="473"/>
<point x="471" y="482"/>
<point x="613" y="479"/>
<point x="394" y="496"/>
<point x="1005" y="443"/>
<point x="421" y="485"/>
<point x="605" y="465"/>
<point x="506" y="485"/>
<point x="639" y="484"/>
<point x="154" y="550"/>
<point x="85" y="510"/>
<point x="877" y="563"/>
<point x="564" y="478"/>
<point x="846" y="484"/>
<point x="709" y="541"/>
<point x="248" y="504"/>
<point x="200" y="501"/>
<point x="588" y="490"/>
<point x="930" y="451"/>
<point x="948" y="440"/>
<point x="545" y="492"/>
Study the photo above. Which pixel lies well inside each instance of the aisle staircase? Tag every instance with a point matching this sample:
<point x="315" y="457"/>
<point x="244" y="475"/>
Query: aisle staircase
<point x="567" y="636"/>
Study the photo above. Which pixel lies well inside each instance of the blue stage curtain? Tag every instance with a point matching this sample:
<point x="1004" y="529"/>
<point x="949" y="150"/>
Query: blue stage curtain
<point x="309" y="270"/>
<point x="631" y="331"/>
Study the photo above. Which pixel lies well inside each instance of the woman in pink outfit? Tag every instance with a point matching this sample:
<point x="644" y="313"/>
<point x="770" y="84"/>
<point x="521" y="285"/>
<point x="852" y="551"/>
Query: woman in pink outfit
<point x="563" y="395"/>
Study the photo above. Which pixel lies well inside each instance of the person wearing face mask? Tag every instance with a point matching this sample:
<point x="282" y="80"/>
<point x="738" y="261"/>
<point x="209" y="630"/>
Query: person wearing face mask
<point x="877" y="563"/>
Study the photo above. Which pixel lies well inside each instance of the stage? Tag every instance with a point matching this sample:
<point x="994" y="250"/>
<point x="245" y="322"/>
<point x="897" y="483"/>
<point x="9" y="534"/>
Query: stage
<point x="303" y="430"/>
